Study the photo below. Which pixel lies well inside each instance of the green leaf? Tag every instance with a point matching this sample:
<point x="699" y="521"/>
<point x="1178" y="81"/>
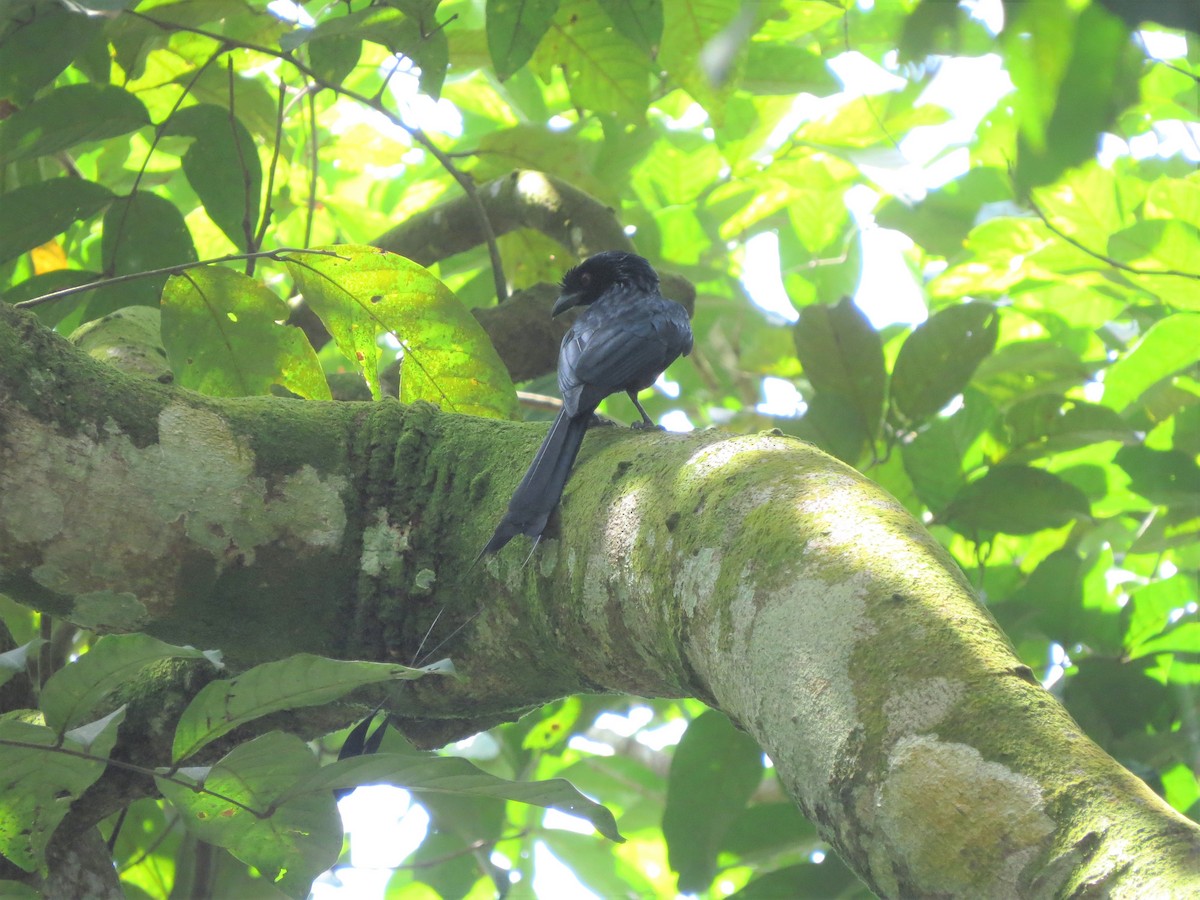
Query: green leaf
<point x="141" y="233"/>
<point x="243" y="809"/>
<point x="32" y="215"/>
<point x="456" y="776"/>
<point x="364" y="292"/>
<point x="1168" y="346"/>
<point x="1098" y="81"/>
<point x="941" y="222"/>
<point x="333" y="58"/>
<point x="1163" y="476"/>
<point x="298" y="681"/>
<point x="555" y="728"/>
<point x="713" y="773"/>
<point x="1152" y="607"/>
<point x="868" y="121"/>
<point x="787" y="69"/>
<point x="37" y="786"/>
<point x="603" y="70"/>
<point x="223" y="168"/>
<point x="74" y="691"/>
<point x="222" y="334"/>
<point x="514" y="28"/>
<point x="937" y="458"/>
<point x="18" y="890"/>
<point x="842" y="357"/>
<point x="940" y="356"/>
<point x="829" y="878"/>
<point x="1051" y="599"/>
<point x="99" y="737"/>
<point x="826" y="424"/>
<point x="1015" y="500"/>
<point x="14" y="661"/>
<point x="768" y="827"/>
<point x="1111" y="698"/>
<point x="1047" y="423"/>
<point x="639" y="20"/>
<point x="1026" y="368"/>
<point x="399" y="30"/>
<point x="605" y="873"/>
<point x="67" y="116"/>
<point x="688" y="29"/>
<point x="34" y="51"/>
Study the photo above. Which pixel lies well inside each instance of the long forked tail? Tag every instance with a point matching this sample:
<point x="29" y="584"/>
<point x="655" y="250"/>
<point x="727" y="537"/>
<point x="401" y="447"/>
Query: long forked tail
<point x="540" y="489"/>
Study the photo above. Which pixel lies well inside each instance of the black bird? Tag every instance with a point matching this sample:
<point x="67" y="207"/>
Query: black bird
<point x="623" y="341"/>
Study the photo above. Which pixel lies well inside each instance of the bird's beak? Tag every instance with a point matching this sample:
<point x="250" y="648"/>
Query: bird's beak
<point x="565" y="302"/>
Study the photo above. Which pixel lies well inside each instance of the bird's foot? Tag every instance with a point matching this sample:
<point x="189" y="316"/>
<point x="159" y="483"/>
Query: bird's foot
<point x="646" y="426"/>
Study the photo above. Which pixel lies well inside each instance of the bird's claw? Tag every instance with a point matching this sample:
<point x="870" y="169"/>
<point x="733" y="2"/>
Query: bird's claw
<point x="646" y="426"/>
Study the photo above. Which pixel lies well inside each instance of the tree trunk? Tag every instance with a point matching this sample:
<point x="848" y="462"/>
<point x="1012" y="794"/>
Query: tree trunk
<point x="753" y="572"/>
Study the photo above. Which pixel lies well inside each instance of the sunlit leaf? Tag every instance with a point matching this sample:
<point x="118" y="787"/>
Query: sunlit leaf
<point x="243" y="809"/>
<point x="365" y="292"/>
<point x="222" y="334"/>
<point x="1168" y="346"/>
<point x="604" y="71"/>
<point x="37" y="786"/>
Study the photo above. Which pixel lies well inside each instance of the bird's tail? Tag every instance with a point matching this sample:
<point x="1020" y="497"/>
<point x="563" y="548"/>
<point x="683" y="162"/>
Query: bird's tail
<point x="540" y="489"/>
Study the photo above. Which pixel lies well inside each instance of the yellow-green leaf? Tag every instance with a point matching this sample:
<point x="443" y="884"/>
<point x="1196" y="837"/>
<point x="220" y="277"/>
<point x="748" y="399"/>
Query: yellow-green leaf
<point x="222" y="334"/>
<point x="365" y="292"/>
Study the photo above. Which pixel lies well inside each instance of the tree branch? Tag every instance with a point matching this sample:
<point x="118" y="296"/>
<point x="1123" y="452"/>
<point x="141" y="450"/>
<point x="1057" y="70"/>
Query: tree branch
<point x="752" y="572"/>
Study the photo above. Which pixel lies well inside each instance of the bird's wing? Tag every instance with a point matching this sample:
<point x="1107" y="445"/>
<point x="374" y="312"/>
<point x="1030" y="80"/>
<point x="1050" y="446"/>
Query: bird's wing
<point x="626" y="349"/>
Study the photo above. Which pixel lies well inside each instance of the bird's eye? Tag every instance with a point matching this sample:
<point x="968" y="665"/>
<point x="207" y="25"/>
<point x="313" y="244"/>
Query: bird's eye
<point x="585" y="279"/>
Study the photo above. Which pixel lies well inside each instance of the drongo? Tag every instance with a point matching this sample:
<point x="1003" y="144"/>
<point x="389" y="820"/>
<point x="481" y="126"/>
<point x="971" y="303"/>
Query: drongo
<point x="624" y="339"/>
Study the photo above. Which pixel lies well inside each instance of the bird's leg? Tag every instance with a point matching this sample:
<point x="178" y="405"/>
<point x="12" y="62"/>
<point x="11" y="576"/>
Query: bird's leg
<point x="646" y="422"/>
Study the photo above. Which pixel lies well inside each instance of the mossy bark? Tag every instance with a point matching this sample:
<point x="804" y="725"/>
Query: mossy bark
<point x="751" y="571"/>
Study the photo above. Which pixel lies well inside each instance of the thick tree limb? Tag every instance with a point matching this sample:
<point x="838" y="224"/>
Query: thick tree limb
<point x="522" y="199"/>
<point x="753" y="572"/>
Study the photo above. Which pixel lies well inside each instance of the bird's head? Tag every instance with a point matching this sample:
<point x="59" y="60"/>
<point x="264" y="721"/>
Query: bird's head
<point x="585" y="283"/>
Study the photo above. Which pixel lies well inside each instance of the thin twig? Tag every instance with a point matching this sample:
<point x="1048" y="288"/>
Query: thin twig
<point x="313" y="171"/>
<point x="268" y="210"/>
<point x="247" y="225"/>
<point x="1104" y="258"/>
<point x="417" y="134"/>
<point x="158" y="133"/>
<point x="193" y="786"/>
<point x="168" y="270"/>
